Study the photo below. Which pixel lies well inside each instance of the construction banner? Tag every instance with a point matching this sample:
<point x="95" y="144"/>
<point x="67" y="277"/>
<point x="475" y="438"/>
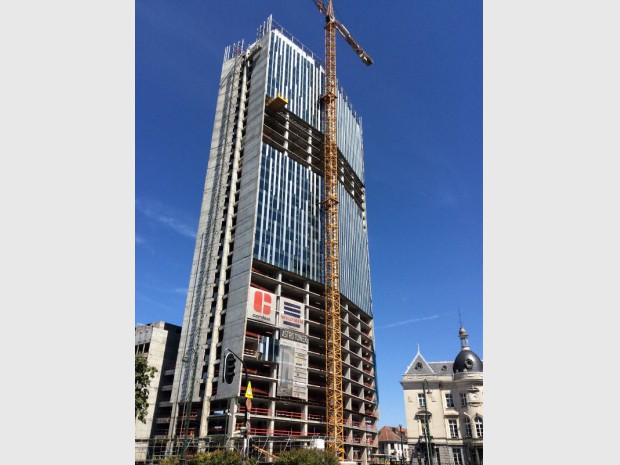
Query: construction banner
<point x="293" y="365"/>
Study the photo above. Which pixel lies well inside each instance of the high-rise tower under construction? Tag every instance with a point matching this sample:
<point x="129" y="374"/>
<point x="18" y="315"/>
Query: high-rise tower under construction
<point x="257" y="280"/>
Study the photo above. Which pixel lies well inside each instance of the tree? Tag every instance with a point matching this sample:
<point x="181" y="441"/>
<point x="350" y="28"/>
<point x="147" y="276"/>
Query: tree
<point x="144" y="375"/>
<point x="307" y="457"/>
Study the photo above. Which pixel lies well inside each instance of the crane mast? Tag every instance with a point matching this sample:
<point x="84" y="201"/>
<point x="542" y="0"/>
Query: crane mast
<point x="333" y="346"/>
<point x="333" y="356"/>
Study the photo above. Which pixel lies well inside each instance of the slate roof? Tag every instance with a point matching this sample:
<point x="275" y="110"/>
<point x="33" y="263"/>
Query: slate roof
<point x="442" y="368"/>
<point x="419" y="366"/>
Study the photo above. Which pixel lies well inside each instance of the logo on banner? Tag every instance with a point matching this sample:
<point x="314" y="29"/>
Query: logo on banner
<point x="261" y="306"/>
<point x="262" y="302"/>
<point x="291" y="315"/>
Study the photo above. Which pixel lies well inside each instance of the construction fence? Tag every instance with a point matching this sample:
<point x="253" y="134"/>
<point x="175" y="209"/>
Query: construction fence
<point x="261" y="448"/>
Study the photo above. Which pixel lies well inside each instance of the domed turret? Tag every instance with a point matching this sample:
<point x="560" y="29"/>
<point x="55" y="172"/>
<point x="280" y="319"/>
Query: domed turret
<point x="466" y="360"/>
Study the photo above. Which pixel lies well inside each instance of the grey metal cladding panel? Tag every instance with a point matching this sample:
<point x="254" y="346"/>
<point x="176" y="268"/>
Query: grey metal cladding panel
<point x="250" y="166"/>
<point x="234" y="330"/>
<point x="238" y="290"/>
<point x="255" y="111"/>
<point x="247" y="200"/>
<point x="247" y="195"/>
<point x="242" y="260"/>
<point x="239" y="268"/>
<point x="237" y="300"/>
<point x="243" y="241"/>
<point x="254" y="129"/>
<point x="244" y="232"/>
<point x="246" y="209"/>
<point x="252" y="144"/>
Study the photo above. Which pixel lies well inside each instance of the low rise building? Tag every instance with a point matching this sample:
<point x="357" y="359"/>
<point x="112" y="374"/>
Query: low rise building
<point x="393" y="446"/>
<point x="159" y="343"/>
<point x="444" y="408"/>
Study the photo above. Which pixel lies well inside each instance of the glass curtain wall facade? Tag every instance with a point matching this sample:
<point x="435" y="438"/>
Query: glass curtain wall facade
<point x="256" y="286"/>
<point x="298" y="77"/>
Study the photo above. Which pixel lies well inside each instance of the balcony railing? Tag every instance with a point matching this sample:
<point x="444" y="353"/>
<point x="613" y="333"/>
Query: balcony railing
<point x="314" y="417"/>
<point x="278" y="413"/>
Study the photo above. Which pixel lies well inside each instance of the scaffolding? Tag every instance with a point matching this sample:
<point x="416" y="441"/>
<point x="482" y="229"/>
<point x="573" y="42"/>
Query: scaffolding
<point x="203" y="289"/>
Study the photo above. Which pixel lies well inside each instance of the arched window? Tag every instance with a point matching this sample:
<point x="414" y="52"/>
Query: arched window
<point x="478" y="421"/>
<point x="467" y="427"/>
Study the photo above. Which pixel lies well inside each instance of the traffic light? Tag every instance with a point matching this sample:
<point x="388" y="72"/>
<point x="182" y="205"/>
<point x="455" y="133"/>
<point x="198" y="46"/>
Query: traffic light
<point x="229" y="368"/>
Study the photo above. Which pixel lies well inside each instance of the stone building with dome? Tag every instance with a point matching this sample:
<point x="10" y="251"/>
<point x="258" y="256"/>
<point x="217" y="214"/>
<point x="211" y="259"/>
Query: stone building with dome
<point x="444" y="408"/>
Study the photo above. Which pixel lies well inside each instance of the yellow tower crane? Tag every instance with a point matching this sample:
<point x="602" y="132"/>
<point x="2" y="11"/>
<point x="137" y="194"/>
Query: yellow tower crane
<point x="333" y="356"/>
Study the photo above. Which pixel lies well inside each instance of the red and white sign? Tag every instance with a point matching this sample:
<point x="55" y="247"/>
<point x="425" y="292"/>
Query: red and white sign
<point x="262" y="306"/>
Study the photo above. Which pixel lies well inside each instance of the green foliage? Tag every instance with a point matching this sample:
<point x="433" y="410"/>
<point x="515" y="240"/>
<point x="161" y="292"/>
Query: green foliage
<point x="144" y="375"/>
<point x="170" y="461"/>
<point x="219" y="457"/>
<point x="307" y="457"/>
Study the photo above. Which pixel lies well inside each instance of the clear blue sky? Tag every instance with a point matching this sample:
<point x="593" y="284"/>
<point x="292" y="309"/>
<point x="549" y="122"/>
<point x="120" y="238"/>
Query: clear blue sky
<point x="421" y="105"/>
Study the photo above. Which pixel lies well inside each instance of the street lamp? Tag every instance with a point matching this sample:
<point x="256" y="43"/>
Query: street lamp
<point x="427" y="432"/>
<point x="402" y="449"/>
